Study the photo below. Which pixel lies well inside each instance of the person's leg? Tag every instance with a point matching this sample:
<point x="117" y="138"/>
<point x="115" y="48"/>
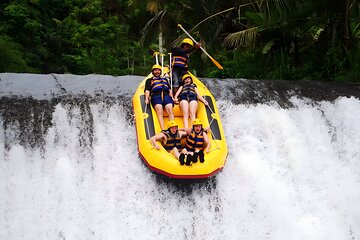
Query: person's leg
<point x="189" y="158"/>
<point x="184" y="105"/>
<point x="175" y="152"/>
<point x="169" y="110"/>
<point x="179" y="155"/>
<point x="201" y="156"/>
<point x="193" y="108"/>
<point x="184" y="151"/>
<point x="159" y="112"/>
<point x="169" y="103"/>
<point x="156" y="102"/>
<point x="176" y="79"/>
<point x="182" y="73"/>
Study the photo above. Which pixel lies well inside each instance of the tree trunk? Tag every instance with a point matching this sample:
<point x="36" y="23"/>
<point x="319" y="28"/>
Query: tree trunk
<point x="333" y="34"/>
<point x="128" y="59"/>
<point x="295" y="51"/>
<point x="133" y="62"/>
<point x="160" y="40"/>
<point x="347" y="32"/>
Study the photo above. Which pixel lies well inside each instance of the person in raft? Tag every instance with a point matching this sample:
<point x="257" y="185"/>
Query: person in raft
<point x="188" y="94"/>
<point x="171" y="140"/>
<point x="180" y="59"/>
<point x="197" y="142"/>
<point x="161" y="95"/>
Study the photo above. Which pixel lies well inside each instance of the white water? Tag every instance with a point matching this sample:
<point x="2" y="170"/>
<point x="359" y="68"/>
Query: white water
<point x="291" y="174"/>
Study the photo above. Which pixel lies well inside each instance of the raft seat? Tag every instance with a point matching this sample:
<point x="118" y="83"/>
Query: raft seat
<point x="177" y="111"/>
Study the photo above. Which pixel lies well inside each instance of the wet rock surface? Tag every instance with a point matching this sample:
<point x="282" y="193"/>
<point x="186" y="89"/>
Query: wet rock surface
<point x="27" y="101"/>
<point x="26" y="120"/>
<point x="241" y="91"/>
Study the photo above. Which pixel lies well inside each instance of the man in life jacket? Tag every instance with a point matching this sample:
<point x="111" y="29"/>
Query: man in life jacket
<point x="158" y="88"/>
<point x="171" y="140"/>
<point x="180" y="59"/>
<point x="197" y="142"/>
<point x="189" y="96"/>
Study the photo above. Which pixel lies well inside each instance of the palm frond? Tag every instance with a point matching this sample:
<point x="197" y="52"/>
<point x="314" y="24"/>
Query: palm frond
<point x="151" y="29"/>
<point x="280" y="8"/>
<point x="244" y="38"/>
<point x="178" y="40"/>
<point x="213" y="15"/>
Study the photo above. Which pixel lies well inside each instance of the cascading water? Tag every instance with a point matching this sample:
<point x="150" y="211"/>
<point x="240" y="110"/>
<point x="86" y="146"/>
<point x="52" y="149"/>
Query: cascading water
<point x="69" y="167"/>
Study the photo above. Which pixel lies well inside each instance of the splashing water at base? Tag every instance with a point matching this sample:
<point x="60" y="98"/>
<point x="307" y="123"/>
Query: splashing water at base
<point x="294" y="173"/>
<point x="291" y="174"/>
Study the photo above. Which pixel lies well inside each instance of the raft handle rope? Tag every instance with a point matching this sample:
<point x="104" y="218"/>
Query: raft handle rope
<point x="156" y="58"/>
<point x="146" y="105"/>
<point x="212" y="113"/>
<point x="146" y="121"/>
<point x="162" y="64"/>
<point x="212" y="134"/>
<point x="170" y="68"/>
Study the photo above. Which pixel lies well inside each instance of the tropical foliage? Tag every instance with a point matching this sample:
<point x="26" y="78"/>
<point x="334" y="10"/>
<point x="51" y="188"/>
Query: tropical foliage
<point x="265" y="39"/>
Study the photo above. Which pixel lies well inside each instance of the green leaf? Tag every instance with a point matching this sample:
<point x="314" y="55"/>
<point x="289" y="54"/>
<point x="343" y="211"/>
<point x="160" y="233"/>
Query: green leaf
<point x="267" y="47"/>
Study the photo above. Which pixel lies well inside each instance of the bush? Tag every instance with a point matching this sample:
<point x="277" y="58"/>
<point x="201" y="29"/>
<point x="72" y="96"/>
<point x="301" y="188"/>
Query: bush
<point x="14" y="59"/>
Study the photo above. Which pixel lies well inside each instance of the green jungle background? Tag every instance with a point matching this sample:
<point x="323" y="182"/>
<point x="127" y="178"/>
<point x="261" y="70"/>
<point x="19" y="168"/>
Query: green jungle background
<point x="266" y="39"/>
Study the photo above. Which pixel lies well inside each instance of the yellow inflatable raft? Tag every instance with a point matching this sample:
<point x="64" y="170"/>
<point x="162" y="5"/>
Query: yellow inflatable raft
<point x="164" y="163"/>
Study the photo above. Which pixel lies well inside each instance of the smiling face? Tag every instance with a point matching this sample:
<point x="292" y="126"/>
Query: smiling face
<point x="188" y="80"/>
<point x="156" y="72"/>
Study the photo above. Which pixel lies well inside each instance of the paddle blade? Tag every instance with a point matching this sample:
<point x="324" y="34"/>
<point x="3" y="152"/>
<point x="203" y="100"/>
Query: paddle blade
<point x="216" y="63"/>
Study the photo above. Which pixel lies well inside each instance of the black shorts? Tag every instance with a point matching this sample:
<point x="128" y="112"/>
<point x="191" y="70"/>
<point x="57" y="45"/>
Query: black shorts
<point x="188" y="98"/>
<point x="161" y="99"/>
<point x="178" y="73"/>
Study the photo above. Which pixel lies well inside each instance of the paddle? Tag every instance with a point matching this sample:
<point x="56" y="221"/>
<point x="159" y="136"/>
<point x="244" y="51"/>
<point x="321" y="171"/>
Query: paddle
<point x="171" y="80"/>
<point x="207" y="54"/>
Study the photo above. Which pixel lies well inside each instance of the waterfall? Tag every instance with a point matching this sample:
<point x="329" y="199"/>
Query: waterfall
<point x="69" y="166"/>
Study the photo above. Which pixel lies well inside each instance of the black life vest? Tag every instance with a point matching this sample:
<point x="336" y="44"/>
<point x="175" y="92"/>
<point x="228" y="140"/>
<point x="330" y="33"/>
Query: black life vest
<point x="195" y="141"/>
<point x="173" y="140"/>
<point x="189" y="90"/>
<point x="159" y="85"/>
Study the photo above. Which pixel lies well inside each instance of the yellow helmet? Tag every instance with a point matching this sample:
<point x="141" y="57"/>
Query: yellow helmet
<point x="186" y="76"/>
<point x="156" y="66"/>
<point x="197" y="122"/>
<point x="187" y="41"/>
<point x="172" y="123"/>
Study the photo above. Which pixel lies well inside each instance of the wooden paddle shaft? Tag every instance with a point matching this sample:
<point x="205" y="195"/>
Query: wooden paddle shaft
<point x="207" y="54"/>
